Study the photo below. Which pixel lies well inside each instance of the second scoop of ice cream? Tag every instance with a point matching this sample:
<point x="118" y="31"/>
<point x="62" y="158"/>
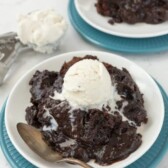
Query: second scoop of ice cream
<point x="41" y="29"/>
<point x="87" y="84"/>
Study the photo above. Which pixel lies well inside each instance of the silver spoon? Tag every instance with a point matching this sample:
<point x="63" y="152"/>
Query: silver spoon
<point x="10" y="47"/>
<point x="33" y="138"/>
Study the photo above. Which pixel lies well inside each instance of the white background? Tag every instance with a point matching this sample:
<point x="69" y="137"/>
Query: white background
<point x="155" y="64"/>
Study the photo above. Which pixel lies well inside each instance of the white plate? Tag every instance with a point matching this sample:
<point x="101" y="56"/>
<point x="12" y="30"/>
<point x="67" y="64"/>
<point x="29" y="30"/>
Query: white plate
<point x="19" y="99"/>
<point x="87" y="10"/>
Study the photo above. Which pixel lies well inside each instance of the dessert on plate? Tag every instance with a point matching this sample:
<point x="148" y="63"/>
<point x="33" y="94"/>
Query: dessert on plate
<point x="89" y="110"/>
<point x="134" y="11"/>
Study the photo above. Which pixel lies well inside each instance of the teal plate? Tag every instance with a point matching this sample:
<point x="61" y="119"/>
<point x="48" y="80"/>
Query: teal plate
<point x="115" y="43"/>
<point x="149" y="160"/>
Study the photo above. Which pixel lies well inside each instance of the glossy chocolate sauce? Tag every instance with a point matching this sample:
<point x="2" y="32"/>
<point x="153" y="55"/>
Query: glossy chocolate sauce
<point x="101" y="135"/>
<point x="134" y="11"/>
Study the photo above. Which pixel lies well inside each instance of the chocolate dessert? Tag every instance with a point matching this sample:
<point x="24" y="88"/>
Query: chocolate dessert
<point x="101" y="134"/>
<point x="134" y="11"/>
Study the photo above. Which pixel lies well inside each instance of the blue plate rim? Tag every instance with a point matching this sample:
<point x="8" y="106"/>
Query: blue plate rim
<point x="6" y="152"/>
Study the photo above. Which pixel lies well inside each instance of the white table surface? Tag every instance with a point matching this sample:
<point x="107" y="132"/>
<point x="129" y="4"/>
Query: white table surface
<point x="154" y="64"/>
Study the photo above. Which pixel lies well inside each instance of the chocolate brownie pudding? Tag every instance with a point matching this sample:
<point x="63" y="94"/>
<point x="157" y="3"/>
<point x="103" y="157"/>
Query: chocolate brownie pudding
<point x="106" y="133"/>
<point x="134" y="11"/>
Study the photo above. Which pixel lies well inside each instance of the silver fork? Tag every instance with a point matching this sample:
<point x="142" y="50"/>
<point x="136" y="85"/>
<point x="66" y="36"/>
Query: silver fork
<point x="10" y="46"/>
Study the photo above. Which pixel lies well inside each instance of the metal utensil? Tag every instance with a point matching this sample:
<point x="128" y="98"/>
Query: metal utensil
<point x="33" y="138"/>
<point x="10" y="46"/>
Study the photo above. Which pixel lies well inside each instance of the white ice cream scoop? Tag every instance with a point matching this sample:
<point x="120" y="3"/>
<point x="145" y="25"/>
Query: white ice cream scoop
<point x="41" y="30"/>
<point x="87" y="84"/>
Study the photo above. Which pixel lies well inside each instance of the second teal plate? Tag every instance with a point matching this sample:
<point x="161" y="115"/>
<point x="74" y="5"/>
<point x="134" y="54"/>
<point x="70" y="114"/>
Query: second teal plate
<point x="115" y="43"/>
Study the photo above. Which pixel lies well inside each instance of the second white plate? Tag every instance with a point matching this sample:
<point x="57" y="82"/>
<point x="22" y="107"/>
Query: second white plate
<point x="87" y="10"/>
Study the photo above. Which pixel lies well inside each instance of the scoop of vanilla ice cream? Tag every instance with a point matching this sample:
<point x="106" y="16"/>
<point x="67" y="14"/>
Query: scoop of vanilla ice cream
<point x="41" y="29"/>
<point x="87" y="84"/>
